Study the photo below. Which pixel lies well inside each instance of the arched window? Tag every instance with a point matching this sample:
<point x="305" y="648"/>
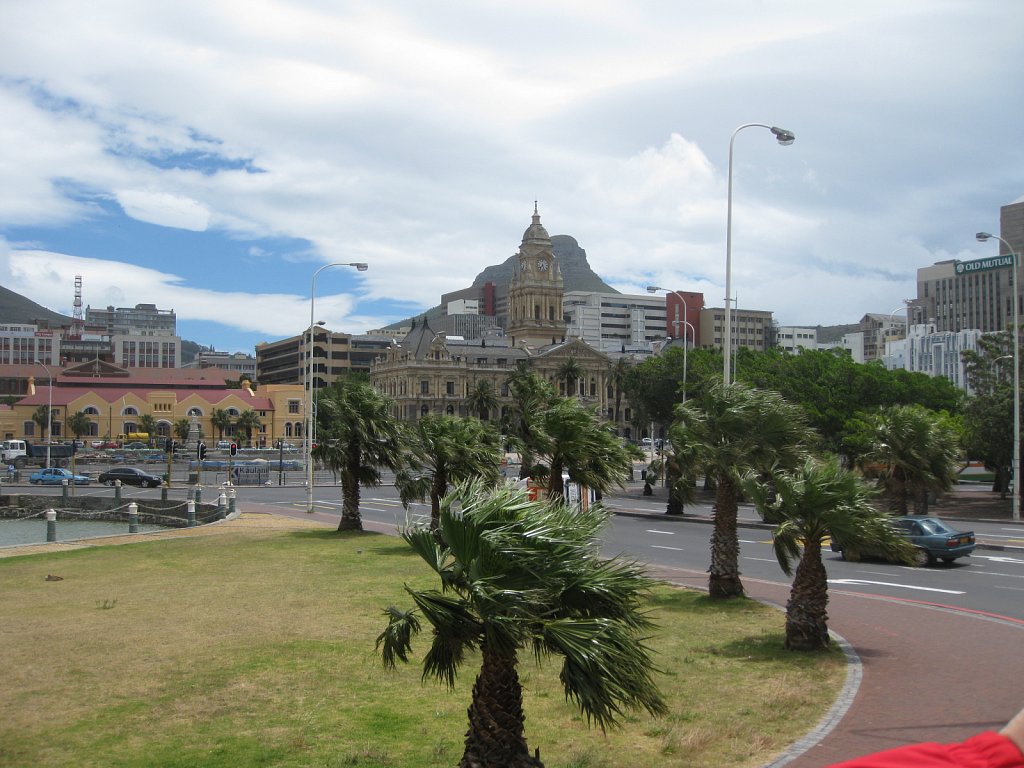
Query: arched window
<point x="197" y="412"/>
<point x="536" y="311"/>
<point x="450" y="410"/>
<point x="233" y="412"/>
<point x="90" y="411"/>
<point x="163" y="428"/>
<point x="424" y="410"/>
<point x="94" y="429"/>
<point x="130" y="411"/>
<point x="288" y="429"/>
<point x="130" y="426"/>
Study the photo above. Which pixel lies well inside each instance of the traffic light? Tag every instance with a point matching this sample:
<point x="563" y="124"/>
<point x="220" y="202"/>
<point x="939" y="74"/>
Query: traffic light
<point x="233" y="449"/>
<point x="169" y="446"/>
<point x="201" y="451"/>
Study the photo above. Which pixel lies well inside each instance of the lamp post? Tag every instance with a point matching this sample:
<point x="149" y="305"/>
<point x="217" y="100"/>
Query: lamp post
<point x="983" y="237"/>
<point x="686" y="324"/>
<point x="785" y="138"/>
<point x="49" y="410"/>
<point x="308" y="370"/>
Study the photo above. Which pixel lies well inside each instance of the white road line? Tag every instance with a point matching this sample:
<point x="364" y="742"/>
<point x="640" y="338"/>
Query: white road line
<point x="890" y="584"/>
<point x="997" y="558"/>
<point x="674" y="549"/>
<point x="762" y="559"/>
<point x="666" y="533"/>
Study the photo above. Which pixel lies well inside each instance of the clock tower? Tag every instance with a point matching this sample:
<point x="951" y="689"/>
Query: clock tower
<point x="535" y="316"/>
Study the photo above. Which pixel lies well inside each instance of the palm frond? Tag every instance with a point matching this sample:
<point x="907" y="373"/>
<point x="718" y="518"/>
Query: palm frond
<point x="395" y="642"/>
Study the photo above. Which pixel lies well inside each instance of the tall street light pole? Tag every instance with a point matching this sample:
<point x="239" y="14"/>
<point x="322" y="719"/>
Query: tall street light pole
<point x="785" y="138"/>
<point x="49" y="411"/>
<point x="686" y="324"/>
<point x="307" y="430"/>
<point x="983" y="237"/>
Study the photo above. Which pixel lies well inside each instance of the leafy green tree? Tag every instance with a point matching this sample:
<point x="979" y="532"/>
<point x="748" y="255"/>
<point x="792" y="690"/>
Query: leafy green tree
<point x="570" y="372"/>
<point x="914" y="454"/>
<point x="442" y="450"/>
<point x="815" y="500"/>
<point x="574" y="439"/>
<point x="988" y="434"/>
<point x="79" y="423"/>
<point x="525" y="576"/>
<point x="729" y="431"/>
<point x="482" y="400"/>
<point x="357" y="437"/>
<point x="220" y="420"/>
<point x="248" y="421"/>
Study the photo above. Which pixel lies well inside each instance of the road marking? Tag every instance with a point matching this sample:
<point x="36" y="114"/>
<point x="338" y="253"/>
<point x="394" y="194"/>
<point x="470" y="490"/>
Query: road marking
<point x="748" y="541"/>
<point x="666" y="533"/>
<point x="997" y="559"/>
<point x="674" y="549"/>
<point x="890" y="584"/>
<point x="762" y="559"/>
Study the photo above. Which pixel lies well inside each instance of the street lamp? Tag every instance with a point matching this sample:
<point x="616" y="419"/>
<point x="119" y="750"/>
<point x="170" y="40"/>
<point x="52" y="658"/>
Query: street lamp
<point x="49" y="411"/>
<point x="983" y="237"/>
<point x="686" y="324"/>
<point x="307" y="429"/>
<point x="785" y="138"/>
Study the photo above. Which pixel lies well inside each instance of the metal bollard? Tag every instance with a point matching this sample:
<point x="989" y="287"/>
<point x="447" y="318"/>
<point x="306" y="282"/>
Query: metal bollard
<point x="51" y="525"/>
<point x="198" y="495"/>
<point x="133" y="518"/>
<point x="231" y="501"/>
<point x="163" y="493"/>
<point x="222" y="506"/>
<point x="64" y="489"/>
<point x="191" y="507"/>
<point x="117" y="490"/>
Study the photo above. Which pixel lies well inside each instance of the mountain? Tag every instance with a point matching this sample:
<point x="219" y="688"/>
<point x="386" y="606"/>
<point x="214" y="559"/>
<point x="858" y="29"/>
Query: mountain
<point x="576" y="275"/>
<point x="15" y="308"/>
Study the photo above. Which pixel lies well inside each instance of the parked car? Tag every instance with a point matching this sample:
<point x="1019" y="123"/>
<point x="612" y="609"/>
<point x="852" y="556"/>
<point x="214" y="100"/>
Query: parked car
<point x="130" y="476"/>
<point x="135" y="446"/>
<point x="933" y="539"/>
<point x="56" y="476"/>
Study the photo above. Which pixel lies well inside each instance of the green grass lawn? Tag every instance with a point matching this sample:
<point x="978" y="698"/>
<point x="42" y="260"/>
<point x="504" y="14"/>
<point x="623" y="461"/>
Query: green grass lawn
<point x="256" y="648"/>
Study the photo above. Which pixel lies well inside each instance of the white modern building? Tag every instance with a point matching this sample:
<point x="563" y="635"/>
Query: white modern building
<point x="22" y="344"/>
<point x="793" y="340"/>
<point x="615" y="322"/>
<point x="936" y="353"/>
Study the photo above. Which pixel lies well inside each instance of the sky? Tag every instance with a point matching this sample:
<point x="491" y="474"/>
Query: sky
<point x="210" y="157"/>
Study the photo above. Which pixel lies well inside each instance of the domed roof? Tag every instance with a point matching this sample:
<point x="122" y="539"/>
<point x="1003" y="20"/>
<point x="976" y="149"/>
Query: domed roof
<point x="535" y="233"/>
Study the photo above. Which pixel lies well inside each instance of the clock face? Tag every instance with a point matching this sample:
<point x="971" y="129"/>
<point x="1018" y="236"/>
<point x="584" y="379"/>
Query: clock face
<point x="542" y="265"/>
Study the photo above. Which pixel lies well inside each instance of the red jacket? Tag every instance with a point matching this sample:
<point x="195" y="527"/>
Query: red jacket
<point x="986" y="750"/>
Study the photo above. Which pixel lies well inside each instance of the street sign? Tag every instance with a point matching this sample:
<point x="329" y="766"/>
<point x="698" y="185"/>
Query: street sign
<point x="981" y="265"/>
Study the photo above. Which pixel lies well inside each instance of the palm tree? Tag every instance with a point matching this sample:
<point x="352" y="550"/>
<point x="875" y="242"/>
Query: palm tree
<point x="530" y="396"/>
<point x="729" y="430"/>
<point x="147" y="424"/>
<point x="482" y="400"/>
<point x="79" y="424"/>
<point x="248" y="420"/>
<point x="616" y="378"/>
<point x="573" y="439"/>
<point x="818" y="499"/>
<point x="526" y="576"/>
<point x="444" y="450"/>
<point x="356" y="437"/>
<point x="570" y="371"/>
<point x="41" y="416"/>
<point x="220" y="420"/>
<point x="181" y="429"/>
<point x="914" y="453"/>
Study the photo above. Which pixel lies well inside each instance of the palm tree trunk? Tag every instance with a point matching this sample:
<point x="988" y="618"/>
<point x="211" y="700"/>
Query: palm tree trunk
<point x="806" y="611"/>
<point x="495" y="737"/>
<point x="556" y="489"/>
<point x="724" y="581"/>
<point x="351" y="520"/>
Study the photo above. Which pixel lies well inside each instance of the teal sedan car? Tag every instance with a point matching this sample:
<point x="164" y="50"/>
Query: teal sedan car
<point x="57" y="476"/>
<point x="933" y="539"/>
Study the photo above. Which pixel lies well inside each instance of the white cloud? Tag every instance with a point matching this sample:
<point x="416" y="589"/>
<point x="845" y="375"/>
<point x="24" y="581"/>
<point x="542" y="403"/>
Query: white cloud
<point x="164" y="209"/>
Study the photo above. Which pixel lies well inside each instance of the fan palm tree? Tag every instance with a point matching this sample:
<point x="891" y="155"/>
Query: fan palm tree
<point x="482" y="400"/>
<point x="248" y="420"/>
<point x="729" y="430"/>
<point x="530" y="396"/>
<point x="220" y="420"/>
<point x="41" y="416"/>
<point x="913" y="454"/>
<point x="357" y="436"/>
<point x="570" y="371"/>
<point x="444" y="450"/>
<point x="573" y="439"/>
<point x="79" y="424"/>
<point x="526" y="576"/>
<point x="147" y="424"/>
<point x="818" y="499"/>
